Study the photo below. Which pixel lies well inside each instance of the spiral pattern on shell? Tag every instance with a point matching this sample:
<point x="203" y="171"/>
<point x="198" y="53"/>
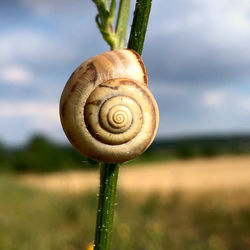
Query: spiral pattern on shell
<point x="106" y="109"/>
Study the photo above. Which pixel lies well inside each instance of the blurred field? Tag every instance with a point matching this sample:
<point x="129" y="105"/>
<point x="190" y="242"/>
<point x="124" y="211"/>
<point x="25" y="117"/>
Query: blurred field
<point x="196" y="175"/>
<point x="200" y="204"/>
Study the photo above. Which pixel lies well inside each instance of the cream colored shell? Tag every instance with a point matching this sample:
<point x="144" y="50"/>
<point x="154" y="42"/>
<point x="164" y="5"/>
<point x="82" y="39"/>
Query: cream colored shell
<point x="106" y="109"/>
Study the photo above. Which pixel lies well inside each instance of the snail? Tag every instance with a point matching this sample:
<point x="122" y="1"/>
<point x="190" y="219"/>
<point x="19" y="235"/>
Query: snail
<point x="106" y="109"/>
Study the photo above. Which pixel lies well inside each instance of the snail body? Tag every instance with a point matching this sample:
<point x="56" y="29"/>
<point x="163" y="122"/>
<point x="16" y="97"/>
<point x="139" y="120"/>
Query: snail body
<point x="106" y="109"/>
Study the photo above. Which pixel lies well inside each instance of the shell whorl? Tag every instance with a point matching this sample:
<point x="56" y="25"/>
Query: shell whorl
<point x="106" y="110"/>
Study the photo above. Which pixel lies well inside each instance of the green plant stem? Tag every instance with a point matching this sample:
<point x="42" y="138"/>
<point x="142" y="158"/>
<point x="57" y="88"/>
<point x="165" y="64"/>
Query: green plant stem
<point x="109" y="172"/>
<point x="105" y="211"/>
<point x="122" y="23"/>
<point x="105" y="22"/>
<point x="139" y="25"/>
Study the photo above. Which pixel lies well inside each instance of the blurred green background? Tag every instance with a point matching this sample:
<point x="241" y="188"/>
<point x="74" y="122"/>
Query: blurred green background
<point x="41" y="154"/>
<point x="36" y="217"/>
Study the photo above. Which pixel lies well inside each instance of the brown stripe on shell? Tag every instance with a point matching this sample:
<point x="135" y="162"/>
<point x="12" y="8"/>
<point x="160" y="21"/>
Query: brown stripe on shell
<point x="145" y="76"/>
<point x="96" y="102"/>
<point x="108" y="86"/>
<point x="72" y="75"/>
<point x="69" y="136"/>
<point x="73" y="87"/>
<point x="63" y="107"/>
<point x="90" y="72"/>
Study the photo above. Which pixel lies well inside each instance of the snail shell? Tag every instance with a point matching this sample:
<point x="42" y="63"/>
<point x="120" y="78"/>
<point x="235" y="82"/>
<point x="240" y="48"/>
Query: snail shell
<point x="106" y="109"/>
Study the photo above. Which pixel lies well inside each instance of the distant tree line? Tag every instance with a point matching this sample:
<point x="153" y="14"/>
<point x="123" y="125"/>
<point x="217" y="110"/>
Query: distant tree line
<point x="42" y="155"/>
<point x="201" y="146"/>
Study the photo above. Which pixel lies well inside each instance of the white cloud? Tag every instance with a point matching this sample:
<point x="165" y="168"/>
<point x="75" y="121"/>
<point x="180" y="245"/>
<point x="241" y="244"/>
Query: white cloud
<point x="43" y="114"/>
<point x="222" y="23"/>
<point x="245" y="104"/>
<point x="213" y="99"/>
<point x="228" y="20"/>
<point x="46" y="7"/>
<point x="34" y="46"/>
<point x="15" y="75"/>
<point x="42" y="7"/>
<point x="164" y="88"/>
<point x="21" y="119"/>
<point x="227" y="100"/>
<point x="199" y="41"/>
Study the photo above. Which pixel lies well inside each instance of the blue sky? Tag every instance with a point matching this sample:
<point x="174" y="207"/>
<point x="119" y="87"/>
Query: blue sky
<point x="197" y="54"/>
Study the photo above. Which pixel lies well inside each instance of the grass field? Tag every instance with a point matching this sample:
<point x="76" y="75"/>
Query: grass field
<point x="191" y="205"/>
<point x="196" y="175"/>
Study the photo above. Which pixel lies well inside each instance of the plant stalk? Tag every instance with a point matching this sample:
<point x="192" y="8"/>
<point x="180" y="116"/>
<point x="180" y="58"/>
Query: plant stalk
<point x="109" y="172"/>
<point x="122" y="23"/>
<point x="105" y="22"/>
<point x="106" y="203"/>
<point x="139" y="25"/>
